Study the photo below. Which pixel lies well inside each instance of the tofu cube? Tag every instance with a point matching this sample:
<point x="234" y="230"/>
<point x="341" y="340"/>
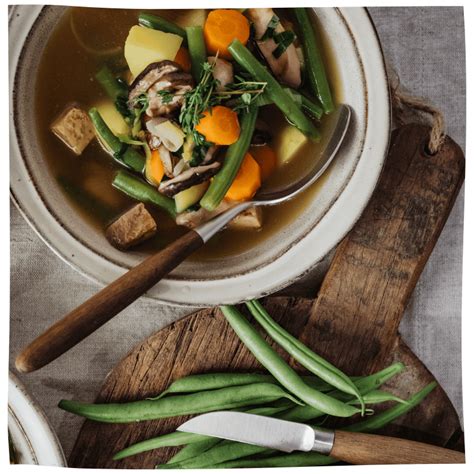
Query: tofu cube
<point x="74" y="128"/>
<point x="251" y="219"/>
<point x="131" y="228"/>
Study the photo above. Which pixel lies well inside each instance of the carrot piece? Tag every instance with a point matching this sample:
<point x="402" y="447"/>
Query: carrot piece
<point x="219" y="125"/>
<point x="154" y="169"/>
<point x="221" y="28"/>
<point x="247" y="181"/>
<point x="183" y="59"/>
<point x="266" y="159"/>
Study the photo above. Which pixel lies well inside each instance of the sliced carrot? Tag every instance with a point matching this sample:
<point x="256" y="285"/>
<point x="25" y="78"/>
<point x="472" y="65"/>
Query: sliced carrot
<point x="266" y="158"/>
<point x="247" y="181"/>
<point x="183" y="59"/>
<point x="219" y="125"/>
<point x="221" y="28"/>
<point x="154" y="169"/>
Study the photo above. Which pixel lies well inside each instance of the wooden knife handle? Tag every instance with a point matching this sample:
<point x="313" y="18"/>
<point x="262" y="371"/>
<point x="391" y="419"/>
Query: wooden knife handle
<point x="360" y="448"/>
<point x="103" y="306"/>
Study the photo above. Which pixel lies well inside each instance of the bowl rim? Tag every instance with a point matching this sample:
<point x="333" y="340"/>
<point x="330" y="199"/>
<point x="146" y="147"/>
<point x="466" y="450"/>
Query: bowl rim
<point x="252" y="280"/>
<point x="43" y="444"/>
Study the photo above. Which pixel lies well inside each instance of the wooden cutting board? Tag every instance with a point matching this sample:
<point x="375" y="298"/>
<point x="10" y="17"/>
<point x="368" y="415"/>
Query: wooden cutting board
<point x="353" y="322"/>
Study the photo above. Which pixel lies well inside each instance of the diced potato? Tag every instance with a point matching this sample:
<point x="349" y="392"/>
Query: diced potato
<point x="112" y="117"/>
<point x="74" y="128"/>
<point x="288" y="143"/>
<point x="188" y="148"/>
<point x="145" y="46"/>
<point x="185" y="199"/>
<point x="251" y="219"/>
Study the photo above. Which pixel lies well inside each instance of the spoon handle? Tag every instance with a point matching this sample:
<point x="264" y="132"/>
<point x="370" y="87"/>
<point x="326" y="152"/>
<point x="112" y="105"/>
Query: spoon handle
<point x="103" y="306"/>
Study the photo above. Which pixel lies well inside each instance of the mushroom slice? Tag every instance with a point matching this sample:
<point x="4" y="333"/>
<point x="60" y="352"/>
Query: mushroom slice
<point x="151" y="74"/>
<point x="168" y="160"/>
<point x="287" y="68"/>
<point x="167" y="94"/>
<point x="168" y="132"/>
<point x="188" y="178"/>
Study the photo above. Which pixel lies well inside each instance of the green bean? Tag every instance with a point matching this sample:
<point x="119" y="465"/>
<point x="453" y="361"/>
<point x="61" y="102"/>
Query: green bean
<point x="273" y="89"/>
<point x="176" y="438"/>
<point x="379" y="396"/>
<point x="212" y="400"/>
<point x="314" y="64"/>
<point x="200" y="382"/>
<point x="379" y="421"/>
<point x="285" y="460"/>
<point x="308" y="105"/>
<point x="301" y="353"/>
<point x="197" y="50"/>
<point x="138" y="189"/>
<point x="287" y="377"/>
<point x="109" y="82"/>
<point x="124" y="154"/>
<point x="232" y="161"/>
<point x="365" y="385"/>
<point x="196" y="448"/>
<point x="159" y="23"/>
<point x="228" y="451"/>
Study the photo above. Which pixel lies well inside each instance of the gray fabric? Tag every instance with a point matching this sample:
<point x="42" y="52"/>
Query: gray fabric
<point x="426" y="47"/>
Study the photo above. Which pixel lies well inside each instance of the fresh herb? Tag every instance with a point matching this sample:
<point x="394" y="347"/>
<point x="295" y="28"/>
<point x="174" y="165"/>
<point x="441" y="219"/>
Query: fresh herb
<point x="244" y="91"/>
<point x="140" y="105"/>
<point x="197" y="101"/>
<point x="283" y="41"/>
<point x="166" y="96"/>
<point x="270" y="31"/>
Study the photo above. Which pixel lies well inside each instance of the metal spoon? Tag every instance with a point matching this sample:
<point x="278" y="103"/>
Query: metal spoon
<point x="116" y="296"/>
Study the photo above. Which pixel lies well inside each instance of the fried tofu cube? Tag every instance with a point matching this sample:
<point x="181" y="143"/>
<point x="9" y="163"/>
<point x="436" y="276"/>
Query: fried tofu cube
<point x="250" y="219"/>
<point x="131" y="228"/>
<point x="74" y="128"/>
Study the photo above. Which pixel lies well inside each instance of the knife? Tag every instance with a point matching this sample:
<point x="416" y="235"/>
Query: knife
<point x="287" y="436"/>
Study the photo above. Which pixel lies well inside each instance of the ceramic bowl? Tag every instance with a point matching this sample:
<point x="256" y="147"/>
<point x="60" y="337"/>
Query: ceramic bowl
<point x="272" y="264"/>
<point x="32" y="439"/>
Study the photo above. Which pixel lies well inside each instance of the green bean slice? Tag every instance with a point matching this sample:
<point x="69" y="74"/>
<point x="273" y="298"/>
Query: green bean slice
<point x="159" y="23"/>
<point x="138" y="189"/>
<point x="233" y="159"/>
<point x="273" y="89"/>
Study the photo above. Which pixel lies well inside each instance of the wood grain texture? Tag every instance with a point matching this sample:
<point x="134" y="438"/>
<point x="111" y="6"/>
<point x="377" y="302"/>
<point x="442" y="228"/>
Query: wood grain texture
<point x="104" y="305"/>
<point x="353" y="323"/>
<point x="361" y="448"/>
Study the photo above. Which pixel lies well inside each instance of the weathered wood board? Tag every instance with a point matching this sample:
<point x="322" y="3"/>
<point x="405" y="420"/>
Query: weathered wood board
<point x="353" y="322"/>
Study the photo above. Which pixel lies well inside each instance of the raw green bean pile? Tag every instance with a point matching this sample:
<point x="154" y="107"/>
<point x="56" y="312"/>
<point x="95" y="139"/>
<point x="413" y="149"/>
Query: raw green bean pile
<point x="281" y="393"/>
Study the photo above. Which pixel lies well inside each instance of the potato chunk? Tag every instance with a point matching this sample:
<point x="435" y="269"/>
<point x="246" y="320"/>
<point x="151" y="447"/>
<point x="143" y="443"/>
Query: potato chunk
<point x="74" y="128"/>
<point x="131" y="228"/>
<point x="145" y="46"/>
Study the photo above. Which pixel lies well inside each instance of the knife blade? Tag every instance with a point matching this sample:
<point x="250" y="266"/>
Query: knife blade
<point x="288" y="436"/>
<point x="259" y="430"/>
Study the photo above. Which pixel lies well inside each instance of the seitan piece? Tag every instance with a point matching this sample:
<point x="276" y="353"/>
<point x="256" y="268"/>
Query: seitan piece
<point x="131" y="228"/>
<point x="74" y="128"/>
<point x="251" y="219"/>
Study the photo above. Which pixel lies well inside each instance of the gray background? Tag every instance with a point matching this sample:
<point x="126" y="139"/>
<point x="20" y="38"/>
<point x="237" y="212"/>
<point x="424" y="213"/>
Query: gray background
<point x="426" y="47"/>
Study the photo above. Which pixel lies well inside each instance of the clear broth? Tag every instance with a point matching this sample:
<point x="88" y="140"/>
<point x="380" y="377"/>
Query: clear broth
<point x="86" y="179"/>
